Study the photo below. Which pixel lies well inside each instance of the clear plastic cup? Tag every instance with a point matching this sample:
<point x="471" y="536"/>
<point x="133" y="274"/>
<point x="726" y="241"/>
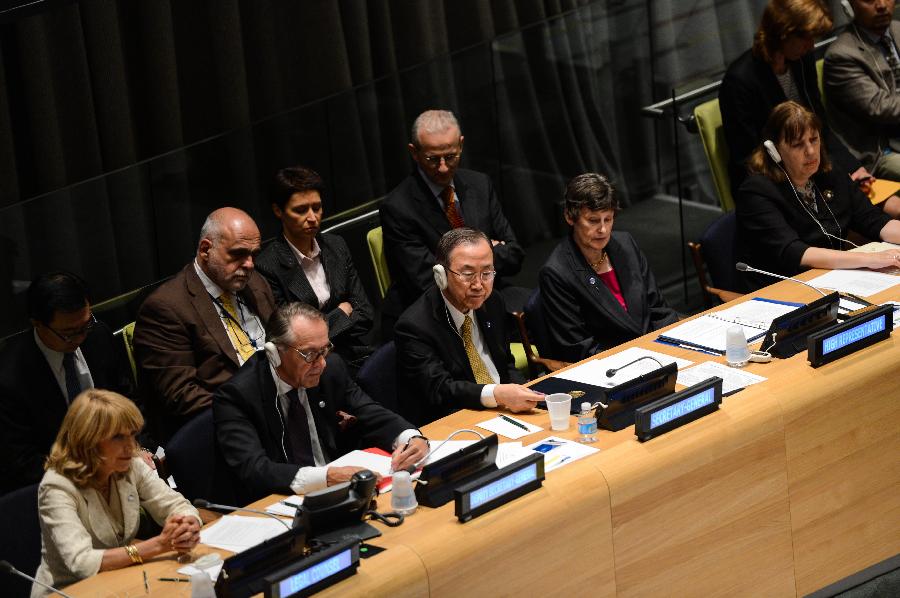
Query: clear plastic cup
<point x="559" y="406"/>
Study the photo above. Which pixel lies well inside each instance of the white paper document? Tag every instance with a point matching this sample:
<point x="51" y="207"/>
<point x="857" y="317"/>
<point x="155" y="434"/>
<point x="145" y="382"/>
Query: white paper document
<point x="380" y="464"/>
<point x="858" y="282"/>
<point x="499" y="425"/>
<point x="559" y="451"/>
<point x="594" y="371"/>
<point x="732" y="378"/>
<point x="507" y="452"/>
<point x="237" y="533"/>
<point x="283" y="508"/>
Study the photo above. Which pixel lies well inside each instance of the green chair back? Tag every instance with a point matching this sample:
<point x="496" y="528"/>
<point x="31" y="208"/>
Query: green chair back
<point x="820" y="77"/>
<point x="375" y="240"/>
<point x="128" y="339"/>
<point x="712" y="134"/>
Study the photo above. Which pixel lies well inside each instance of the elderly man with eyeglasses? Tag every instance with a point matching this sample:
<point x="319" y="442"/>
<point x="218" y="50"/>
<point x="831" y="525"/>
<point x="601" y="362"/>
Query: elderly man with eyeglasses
<point x="436" y="197"/>
<point x="452" y="348"/>
<point x="43" y="370"/>
<point x="290" y="411"/>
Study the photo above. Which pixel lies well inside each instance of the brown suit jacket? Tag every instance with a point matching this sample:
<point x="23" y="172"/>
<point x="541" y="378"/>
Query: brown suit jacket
<point x="182" y="350"/>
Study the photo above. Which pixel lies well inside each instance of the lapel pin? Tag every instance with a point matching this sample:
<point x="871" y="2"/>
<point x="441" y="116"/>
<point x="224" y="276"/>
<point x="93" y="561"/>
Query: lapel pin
<point x="592" y="280"/>
<point x="487" y="324"/>
<point x="321" y="404"/>
<point x="130" y="497"/>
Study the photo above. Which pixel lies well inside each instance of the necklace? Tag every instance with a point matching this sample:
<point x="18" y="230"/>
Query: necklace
<point x="598" y="263"/>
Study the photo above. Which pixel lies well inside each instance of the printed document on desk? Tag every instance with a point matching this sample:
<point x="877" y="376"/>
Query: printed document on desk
<point x="733" y="379"/>
<point x="858" y="282"/>
<point x="238" y="533"/>
<point x="594" y="371"/>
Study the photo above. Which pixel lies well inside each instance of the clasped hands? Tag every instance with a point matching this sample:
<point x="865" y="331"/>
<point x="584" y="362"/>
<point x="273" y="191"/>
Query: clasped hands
<point x="180" y="532"/>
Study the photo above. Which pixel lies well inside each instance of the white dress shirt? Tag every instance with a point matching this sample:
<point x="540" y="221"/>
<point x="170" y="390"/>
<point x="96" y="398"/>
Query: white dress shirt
<point x="458" y="317"/>
<point x="55" y="361"/>
<point x="312" y="268"/>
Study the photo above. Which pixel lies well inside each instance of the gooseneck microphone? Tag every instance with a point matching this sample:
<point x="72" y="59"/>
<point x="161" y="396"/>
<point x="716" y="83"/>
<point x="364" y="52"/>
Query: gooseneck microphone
<point x="742" y="267"/>
<point x="205" y="504"/>
<point x="613" y="371"/>
<point x="6" y="567"/>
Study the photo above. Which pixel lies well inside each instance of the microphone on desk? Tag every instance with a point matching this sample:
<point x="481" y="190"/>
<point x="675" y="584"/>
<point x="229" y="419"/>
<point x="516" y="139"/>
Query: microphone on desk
<point x="205" y="504"/>
<point x="6" y="567"/>
<point x="613" y="371"/>
<point x="742" y="267"/>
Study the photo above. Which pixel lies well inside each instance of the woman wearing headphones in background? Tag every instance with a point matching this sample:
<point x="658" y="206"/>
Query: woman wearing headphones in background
<point x="794" y="212"/>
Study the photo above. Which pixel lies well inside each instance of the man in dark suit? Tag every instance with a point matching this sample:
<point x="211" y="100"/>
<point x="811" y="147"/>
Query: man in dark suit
<point x="293" y="409"/>
<point x="43" y="369"/>
<point x="195" y="330"/>
<point x="452" y="351"/>
<point x="434" y="198"/>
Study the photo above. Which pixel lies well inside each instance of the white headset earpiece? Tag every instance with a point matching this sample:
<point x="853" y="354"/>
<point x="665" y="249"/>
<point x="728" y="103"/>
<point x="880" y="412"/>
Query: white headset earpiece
<point x="848" y="9"/>
<point x="273" y="354"/>
<point x="772" y="151"/>
<point x="440" y="276"/>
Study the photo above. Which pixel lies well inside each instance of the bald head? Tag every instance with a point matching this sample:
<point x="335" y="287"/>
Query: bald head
<point x="229" y="240"/>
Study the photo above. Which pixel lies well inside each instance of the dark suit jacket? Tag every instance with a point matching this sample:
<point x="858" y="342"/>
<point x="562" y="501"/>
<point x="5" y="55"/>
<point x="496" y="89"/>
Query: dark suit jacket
<point x="279" y="267"/>
<point x="748" y="94"/>
<point x="582" y="315"/>
<point x="774" y="230"/>
<point x="250" y="431"/>
<point x="182" y="349"/>
<point x="32" y="406"/>
<point x="413" y="222"/>
<point x="434" y="375"/>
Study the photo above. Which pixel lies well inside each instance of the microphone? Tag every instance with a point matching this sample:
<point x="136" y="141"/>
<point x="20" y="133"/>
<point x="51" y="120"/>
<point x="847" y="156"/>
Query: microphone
<point x="6" y="567"/>
<point x="205" y="504"/>
<point x="742" y="267"/>
<point x="613" y="371"/>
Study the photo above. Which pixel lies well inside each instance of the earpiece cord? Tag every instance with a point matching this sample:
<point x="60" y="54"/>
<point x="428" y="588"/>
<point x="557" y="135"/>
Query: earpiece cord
<point x="809" y="213"/>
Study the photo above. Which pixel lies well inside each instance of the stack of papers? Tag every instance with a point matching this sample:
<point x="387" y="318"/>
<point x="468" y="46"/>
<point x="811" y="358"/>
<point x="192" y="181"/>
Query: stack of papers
<point x="559" y="451"/>
<point x="238" y="533"/>
<point x="594" y="371"/>
<point x="733" y="379"/>
<point x="857" y="282"/>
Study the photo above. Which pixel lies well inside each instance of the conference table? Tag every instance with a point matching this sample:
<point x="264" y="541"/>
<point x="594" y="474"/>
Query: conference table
<point x="793" y="484"/>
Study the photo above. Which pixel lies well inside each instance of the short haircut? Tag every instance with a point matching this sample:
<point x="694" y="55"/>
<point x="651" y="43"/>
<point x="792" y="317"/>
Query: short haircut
<point x="592" y="191"/>
<point x="57" y="291"/>
<point x="455" y="237"/>
<point x="94" y="416"/>
<point x="211" y="229"/>
<point x="789" y="122"/>
<point x="295" y="179"/>
<point x="278" y="328"/>
<point x="433" y="121"/>
<point x="784" y="18"/>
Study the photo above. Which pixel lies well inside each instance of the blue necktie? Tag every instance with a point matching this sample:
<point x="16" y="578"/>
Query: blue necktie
<point x="73" y="386"/>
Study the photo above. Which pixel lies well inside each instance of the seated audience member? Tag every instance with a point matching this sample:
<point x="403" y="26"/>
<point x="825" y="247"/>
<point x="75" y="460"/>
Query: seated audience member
<point x="436" y="197"/>
<point x="862" y="84"/>
<point x="196" y="329"/>
<point x="794" y="211"/>
<point x="293" y="409"/>
<point x="597" y="290"/>
<point x="44" y="369"/>
<point x="452" y="348"/>
<point x="316" y="268"/>
<point x="780" y="66"/>
<point x="91" y="496"/>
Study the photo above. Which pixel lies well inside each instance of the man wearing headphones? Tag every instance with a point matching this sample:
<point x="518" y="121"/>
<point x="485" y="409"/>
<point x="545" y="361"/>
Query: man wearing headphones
<point x="452" y="348"/>
<point x="862" y="85"/>
<point x="293" y="408"/>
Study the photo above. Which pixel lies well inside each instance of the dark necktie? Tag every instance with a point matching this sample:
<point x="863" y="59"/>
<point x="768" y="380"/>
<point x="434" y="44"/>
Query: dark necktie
<point x="299" y="447"/>
<point x="451" y="208"/>
<point x="73" y="386"/>
<point x="891" y="58"/>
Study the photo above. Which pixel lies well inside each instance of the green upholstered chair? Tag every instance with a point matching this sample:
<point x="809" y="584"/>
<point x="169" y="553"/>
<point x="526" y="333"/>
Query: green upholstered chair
<point x="375" y="239"/>
<point x="128" y="339"/>
<point x="712" y="134"/>
<point x="820" y="77"/>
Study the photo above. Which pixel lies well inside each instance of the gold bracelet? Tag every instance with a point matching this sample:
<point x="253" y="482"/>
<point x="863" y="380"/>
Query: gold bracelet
<point x="134" y="555"/>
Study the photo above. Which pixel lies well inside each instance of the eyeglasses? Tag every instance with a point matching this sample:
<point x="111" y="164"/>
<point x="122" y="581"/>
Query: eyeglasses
<point x="469" y="277"/>
<point x="312" y="356"/>
<point x="448" y="159"/>
<point x="68" y="338"/>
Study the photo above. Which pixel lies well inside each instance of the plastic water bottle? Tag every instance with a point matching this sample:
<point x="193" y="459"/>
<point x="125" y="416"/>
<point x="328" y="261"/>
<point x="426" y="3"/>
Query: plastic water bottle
<point x="403" y="498"/>
<point x="737" y="353"/>
<point x="587" y="425"/>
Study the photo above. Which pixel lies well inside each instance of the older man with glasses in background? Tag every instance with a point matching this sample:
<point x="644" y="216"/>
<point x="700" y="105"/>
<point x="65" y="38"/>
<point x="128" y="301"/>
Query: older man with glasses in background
<point x="436" y="197"/>
<point x="43" y="369"/>
<point x="289" y="412"/>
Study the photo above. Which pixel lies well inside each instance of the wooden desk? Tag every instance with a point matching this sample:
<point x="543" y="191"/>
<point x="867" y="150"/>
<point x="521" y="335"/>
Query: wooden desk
<point x="793" y="484"/>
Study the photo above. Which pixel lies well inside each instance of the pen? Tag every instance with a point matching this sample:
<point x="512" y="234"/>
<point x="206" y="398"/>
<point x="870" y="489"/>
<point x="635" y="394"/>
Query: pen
<point x="514" y="422"/>
<point x="146" y="582"/>
<point x="173" y="579"/>
<point x="699" y="349"/>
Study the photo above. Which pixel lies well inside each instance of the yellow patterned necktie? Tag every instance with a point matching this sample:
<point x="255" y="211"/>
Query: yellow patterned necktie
<point x="475" y="362"/>
<point x="236" y="333"/>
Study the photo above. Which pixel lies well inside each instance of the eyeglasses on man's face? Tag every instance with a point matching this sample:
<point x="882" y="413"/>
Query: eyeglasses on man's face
<point x="469" y="277"/>
<point x="70" y="335"/>
<point x="448" y="159"/>
<point x="311" y="355"/>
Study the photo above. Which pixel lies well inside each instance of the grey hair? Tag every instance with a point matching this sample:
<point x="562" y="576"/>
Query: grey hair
<point x="433" y="121"/>
<point x="455" y="237"/>
<point x="279" y="330"/>
<point x="592" y="191"/>
<point x="211" y="229"/>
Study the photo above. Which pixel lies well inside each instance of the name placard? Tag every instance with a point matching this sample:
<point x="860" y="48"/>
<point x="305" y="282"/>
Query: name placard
<point x="497" y="488"/>
<point x="677" y="409"/>
<point x="315" y="572"/>
<point x="853" y="334"/>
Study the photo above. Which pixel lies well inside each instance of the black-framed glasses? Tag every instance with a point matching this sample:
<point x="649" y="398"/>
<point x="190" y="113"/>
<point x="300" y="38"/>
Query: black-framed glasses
<point x="469" y="277"/>
<point x="73" y="334"/>
<point x="312" y="356"/>
<point x="448" y="159"/>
